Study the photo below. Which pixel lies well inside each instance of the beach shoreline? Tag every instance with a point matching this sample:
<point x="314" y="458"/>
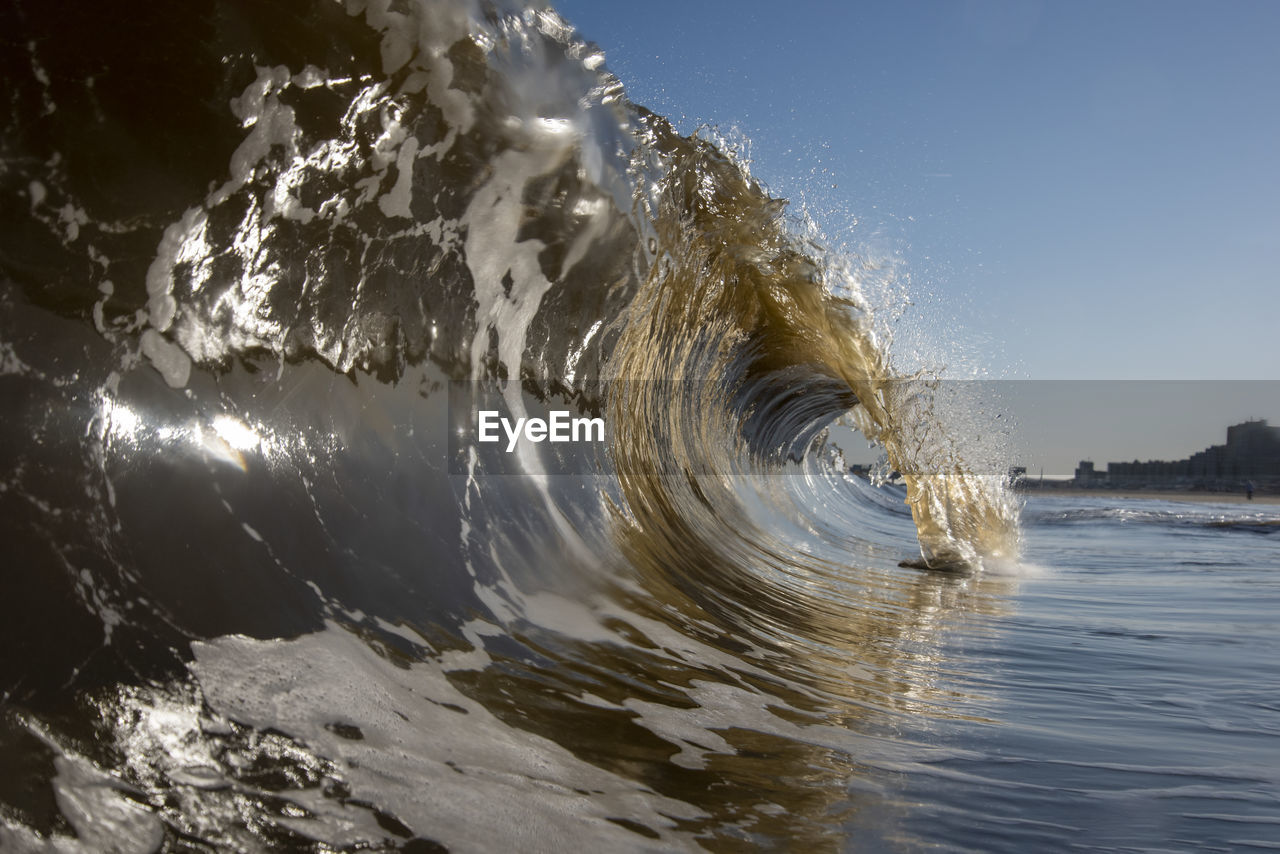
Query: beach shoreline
<point x="1156" y="494"/>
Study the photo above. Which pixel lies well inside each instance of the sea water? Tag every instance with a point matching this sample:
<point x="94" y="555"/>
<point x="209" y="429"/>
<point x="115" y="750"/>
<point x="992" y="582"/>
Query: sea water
<point x="263" y="265"/>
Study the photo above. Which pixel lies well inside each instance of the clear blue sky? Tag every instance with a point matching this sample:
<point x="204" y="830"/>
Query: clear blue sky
<point x="1090" y="188"/>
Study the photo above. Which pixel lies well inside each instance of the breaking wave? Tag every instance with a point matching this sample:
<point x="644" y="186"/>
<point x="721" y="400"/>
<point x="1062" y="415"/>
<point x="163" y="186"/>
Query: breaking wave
<point x="250" y="269"/>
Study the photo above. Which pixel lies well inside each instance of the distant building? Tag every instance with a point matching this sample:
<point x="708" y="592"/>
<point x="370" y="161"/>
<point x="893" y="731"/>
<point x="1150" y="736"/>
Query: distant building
<point x="1252" y="451"/>
<point x="1087" y="476"/>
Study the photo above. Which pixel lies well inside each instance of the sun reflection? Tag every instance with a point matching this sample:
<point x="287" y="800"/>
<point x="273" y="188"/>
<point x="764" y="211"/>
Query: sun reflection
<point x="236" y="433"/>
<point x="223" y="438"/>
<point x="119" y="421"/>
<point x="216" y="446"/>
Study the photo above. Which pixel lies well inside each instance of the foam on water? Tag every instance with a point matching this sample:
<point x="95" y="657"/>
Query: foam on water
<point x="274" y="595"/>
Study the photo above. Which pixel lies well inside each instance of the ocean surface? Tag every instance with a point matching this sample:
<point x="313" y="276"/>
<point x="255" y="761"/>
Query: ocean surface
<point x="267" y="588"/>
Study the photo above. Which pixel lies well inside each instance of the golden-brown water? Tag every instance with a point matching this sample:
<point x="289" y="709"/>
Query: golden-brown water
<point x="268" y="590"/>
